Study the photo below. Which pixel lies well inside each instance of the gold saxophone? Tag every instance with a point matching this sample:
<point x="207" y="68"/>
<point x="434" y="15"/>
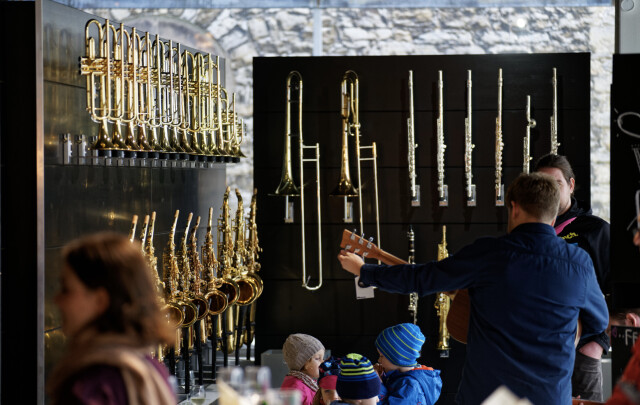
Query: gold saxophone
<point x="197" y="298"/>
<point x="248" y="288"/>
<point x="443" y="303"/>
<point x="152" y="261"/>
<point x="229" y="286"/>
<point x="190" y="308"/>
<point x="253" y="266"/>
<point x="216" y="299"/>
<point x="180" y="314"/>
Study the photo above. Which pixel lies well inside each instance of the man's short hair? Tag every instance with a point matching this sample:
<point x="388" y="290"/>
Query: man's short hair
<point x="536" y="193"/>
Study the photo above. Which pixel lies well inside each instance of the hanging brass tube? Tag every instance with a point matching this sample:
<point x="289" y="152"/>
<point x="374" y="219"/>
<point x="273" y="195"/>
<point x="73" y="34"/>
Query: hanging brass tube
<point x="287" y="187"/>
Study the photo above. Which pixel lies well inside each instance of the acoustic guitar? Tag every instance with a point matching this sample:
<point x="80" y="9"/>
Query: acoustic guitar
<point x="458" y="317"/>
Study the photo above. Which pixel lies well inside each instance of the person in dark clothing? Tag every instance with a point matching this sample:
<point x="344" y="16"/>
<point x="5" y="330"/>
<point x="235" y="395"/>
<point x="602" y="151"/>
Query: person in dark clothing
<point x="577" y="225"/>
<point x="527" y="290"/>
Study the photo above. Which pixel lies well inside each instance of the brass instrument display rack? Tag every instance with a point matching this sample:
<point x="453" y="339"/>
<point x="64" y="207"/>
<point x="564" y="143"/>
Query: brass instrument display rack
<point x="56" y="197"/>
<point x="332" y="314"/>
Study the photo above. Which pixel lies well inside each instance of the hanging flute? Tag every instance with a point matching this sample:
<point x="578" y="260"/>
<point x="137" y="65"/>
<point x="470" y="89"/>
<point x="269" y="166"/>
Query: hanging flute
<point x="499" y="146"/>
<point x="413" y="297"/>
<point x="415" y="188"/>
<point x="531" y="123"/>
<point x="468" y="149"/>
<point x="554" y="116"/>
<point x="443" y="190"/>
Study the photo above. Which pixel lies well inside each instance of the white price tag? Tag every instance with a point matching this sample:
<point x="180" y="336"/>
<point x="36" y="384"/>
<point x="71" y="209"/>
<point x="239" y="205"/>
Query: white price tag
<point x="363" y="292"/>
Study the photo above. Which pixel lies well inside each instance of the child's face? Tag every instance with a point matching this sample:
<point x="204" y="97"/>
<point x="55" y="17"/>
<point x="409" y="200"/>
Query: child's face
<point x="311" y="367"/>
<point x="385" y="363"/>
<point x="329" y="396"/>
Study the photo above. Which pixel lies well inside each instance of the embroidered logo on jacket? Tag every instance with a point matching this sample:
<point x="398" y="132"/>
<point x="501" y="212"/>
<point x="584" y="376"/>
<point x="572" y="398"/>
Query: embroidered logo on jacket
<point x="570" y="235"/>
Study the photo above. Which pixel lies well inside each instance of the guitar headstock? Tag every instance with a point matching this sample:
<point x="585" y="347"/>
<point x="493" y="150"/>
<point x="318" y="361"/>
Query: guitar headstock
<point x="358" y="245"/>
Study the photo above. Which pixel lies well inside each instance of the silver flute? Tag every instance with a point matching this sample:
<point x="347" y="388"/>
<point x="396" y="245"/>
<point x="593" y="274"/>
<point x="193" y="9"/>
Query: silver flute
<point x="443" y="190"/>
<point x="413" y="297"/>
<point x="554" y="116"/>
<point x="468" y="148"/>
<point x="499" y="146"/>
<point x="531" y="123"/>
<point x="412" y="145"/>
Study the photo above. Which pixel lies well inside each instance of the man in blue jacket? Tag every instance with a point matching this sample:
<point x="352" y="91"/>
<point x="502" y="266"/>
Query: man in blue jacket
<point x="527" y="290"/>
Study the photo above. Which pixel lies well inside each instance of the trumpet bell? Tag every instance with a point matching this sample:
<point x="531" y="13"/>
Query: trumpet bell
<point x="344" y="189"/>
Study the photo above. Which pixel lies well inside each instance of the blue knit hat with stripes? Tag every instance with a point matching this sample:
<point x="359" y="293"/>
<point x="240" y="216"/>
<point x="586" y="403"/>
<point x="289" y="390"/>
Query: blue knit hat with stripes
<point x="401" y="344"/>
<point x="357" y="378"/>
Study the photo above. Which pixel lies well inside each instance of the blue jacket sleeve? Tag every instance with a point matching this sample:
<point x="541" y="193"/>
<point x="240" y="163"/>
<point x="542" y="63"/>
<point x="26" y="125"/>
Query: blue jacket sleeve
<point x="407" y="392"/>
<point x="593" y="314"/>
<point x="453" y="273"/>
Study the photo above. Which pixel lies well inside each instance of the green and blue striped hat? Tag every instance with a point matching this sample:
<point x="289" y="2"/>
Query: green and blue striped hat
<point x="401" y="344"/>
<point x="357" y="378"/>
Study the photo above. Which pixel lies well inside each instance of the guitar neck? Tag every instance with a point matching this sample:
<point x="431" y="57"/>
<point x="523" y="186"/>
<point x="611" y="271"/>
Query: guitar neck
<point x="387" y="258"/>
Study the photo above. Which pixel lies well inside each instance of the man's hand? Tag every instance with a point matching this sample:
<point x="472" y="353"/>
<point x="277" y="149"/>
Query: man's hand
<point x="591" y="349"/>
<point x="350" y="262"/>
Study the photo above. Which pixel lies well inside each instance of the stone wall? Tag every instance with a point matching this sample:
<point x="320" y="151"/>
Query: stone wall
<point x="245" y="33"/>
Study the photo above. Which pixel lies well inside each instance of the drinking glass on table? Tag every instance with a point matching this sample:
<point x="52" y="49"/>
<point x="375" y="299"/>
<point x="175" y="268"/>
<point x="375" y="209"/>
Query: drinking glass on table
<point x="198" y="394"/>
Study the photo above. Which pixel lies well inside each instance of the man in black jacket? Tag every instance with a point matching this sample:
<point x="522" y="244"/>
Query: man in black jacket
<point x="577" y="225"/>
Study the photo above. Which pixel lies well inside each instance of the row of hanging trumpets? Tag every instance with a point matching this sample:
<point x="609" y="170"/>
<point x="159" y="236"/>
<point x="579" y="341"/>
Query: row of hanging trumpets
<point x="197" y="286"/>
<point x="170" y="101"/>
<point x="470" y="188"/>
<point x="287" y="188"/>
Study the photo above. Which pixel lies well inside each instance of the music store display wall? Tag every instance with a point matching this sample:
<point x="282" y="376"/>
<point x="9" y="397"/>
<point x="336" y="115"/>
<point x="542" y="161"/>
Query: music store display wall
<point x="453" y="122"/>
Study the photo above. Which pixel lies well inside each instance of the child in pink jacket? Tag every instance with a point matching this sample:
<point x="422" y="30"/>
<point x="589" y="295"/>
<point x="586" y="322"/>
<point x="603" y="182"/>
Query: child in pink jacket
<point x="303" y="355"/>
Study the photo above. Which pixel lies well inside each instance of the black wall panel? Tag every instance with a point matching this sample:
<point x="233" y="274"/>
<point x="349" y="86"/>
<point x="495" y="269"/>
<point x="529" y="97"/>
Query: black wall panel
<point x="332" y="313"/>
<point x="625" y="179"/>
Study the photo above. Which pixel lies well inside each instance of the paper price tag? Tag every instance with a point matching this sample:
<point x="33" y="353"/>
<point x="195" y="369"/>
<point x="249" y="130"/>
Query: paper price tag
<point x="363" y="292"/>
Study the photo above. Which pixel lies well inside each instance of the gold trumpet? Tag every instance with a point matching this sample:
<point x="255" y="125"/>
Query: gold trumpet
<point x="287" y="187"/>
<point x="351" y="127"/>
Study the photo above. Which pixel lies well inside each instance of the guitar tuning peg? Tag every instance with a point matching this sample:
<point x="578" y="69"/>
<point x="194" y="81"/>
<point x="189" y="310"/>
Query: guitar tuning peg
<point x="348" y="247"/>
<point x="362" y="238"/>
<point x="353" y="235"/>
<point x="371" y="239"/>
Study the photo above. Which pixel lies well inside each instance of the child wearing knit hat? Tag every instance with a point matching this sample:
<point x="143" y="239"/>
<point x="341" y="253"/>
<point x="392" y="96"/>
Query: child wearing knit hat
<point x="329" y="371"/>
<point x="404" y="380"/>
<point x="357" y="383"/>
<point x="303" y="355"/>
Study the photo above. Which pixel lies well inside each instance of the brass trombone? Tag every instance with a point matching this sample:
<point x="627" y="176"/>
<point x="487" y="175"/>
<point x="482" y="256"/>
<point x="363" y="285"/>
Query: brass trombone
<point x="351" y="127"/>
<point x="288" y="188"/>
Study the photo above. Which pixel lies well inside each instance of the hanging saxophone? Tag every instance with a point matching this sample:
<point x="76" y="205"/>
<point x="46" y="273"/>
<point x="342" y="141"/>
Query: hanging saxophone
<point x="253" y="265"/>
<point x="196" y="280"/>
<point x="443" y="303"/>
<point x="413" y="297"/>
<point x="412" y="145"/>
<point x="468" y="149"/>
<point x="499" y="146"/>
<point x="150" y="255"/>
<point x="554" y="116"/>
<point x="248" y="288"/>
<point x="229" y="286"/>
<point x="443" y="189"/>
<point x="188" y="302"/>
<point x="531" y="123"/>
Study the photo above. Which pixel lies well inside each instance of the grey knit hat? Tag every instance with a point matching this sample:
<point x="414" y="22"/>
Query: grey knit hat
<point x="298" y="349"/>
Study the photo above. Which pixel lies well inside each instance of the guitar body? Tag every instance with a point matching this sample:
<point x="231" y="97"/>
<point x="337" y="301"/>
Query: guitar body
<point x="458" y="325"/>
